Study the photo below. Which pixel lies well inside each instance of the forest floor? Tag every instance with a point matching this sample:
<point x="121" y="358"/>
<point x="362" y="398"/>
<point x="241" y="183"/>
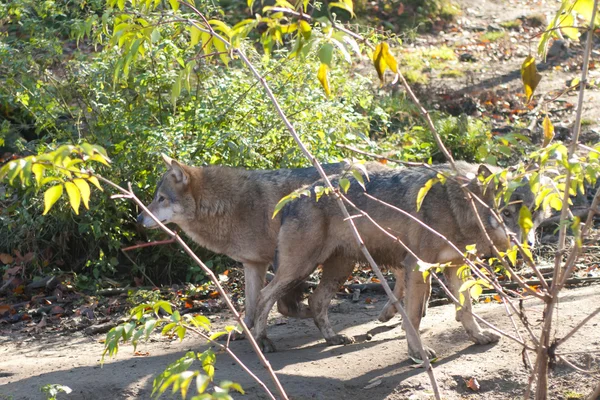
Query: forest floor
<point x="484" y="80"/>
<point x="375" y="368"/>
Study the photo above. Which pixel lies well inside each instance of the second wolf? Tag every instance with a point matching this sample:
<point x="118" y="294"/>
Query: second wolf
<point x="315" y="233"/>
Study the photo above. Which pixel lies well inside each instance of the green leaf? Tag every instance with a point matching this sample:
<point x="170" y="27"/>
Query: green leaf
<point x="166" y="306"/>
<point x="231" y="385"/>
<point x="167" y="328"/>
<point x="326" y="54"/>
<point x="175" y="90"/>
<point x="530" y="77"/>
<point x="51" y="196"/>
<point x="74" y="196"/>
<point x="344" y="184"/>
<point x="84" y="190"/>
<point x="359" y="178"/>
<point x="424" y="190"/>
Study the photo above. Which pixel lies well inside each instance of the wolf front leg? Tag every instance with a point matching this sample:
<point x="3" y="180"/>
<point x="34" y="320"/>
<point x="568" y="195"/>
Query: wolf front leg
<point x="335" y="272"/>
<point x="465" y="315"/>
<point x="254" y="276"/>
<point x="415" y="303"/>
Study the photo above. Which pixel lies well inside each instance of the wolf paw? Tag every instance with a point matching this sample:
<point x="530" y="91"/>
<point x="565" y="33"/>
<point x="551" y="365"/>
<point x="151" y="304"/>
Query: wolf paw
<point x="485" y="336"/>
<point x="386" y="314"/>
<point x="266" y="345"/>
<point x="339" y="339"/>
<point x="415" y="355"/>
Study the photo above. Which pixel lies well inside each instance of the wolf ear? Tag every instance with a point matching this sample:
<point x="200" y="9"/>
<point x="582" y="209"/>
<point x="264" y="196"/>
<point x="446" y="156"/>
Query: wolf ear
<point x="178" y="172"/>
<point x="168" y="160"/>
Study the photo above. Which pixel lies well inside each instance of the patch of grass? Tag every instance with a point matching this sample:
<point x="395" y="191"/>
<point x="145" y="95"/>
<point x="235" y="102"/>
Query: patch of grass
<point x="449" y="10"/>
<point x="452" y="73"/>
<point x="570" y="395"/>
<point x="444" y="53"/>
<point x="419" y="62"/>
<point x="415" y="76"/>
<point x="587" y="122"/>
<point x="493" y="36"/>
<point x="513" y="25"/>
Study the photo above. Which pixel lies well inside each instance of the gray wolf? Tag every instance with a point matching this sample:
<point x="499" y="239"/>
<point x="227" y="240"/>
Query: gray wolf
<point x="326" y="239"/>
<point x="229" y="211"/>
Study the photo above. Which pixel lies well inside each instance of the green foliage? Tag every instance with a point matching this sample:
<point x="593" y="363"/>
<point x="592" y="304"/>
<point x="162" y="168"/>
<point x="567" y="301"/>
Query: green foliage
<point x="52" y="390"/>
<point x="159" y="315"/>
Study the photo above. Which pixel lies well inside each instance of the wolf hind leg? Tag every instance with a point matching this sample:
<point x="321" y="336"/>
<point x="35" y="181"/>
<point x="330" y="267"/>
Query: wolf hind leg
<point x="389" y="310"/>
<point x="288" y="276"/>
<point x="291" y="304"/>
<point x="464" y="315"/>
<point x="335" y="271"/>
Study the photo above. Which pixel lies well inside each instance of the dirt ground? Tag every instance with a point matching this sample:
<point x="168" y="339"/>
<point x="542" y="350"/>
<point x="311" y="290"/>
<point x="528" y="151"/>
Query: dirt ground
<point x="369" y="369"/>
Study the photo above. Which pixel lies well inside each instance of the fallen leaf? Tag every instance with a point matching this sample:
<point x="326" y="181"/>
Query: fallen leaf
<point x="6" y="258"/>
<point x="472" y="384"/>
<point x="373" y="384"/>
<point x="141" y="353"/>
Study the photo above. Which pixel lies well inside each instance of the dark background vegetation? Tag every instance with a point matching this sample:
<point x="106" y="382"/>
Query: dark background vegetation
<point x="58" y="85"/>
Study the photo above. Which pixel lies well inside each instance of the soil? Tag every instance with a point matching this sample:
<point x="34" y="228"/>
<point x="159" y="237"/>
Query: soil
<point x="377" y="365"/>
<point x="378" y="368"/>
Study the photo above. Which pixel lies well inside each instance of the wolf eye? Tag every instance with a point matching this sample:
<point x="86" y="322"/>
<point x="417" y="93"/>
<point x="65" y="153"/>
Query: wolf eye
<point x="506" y="213"/>
<point x="161" y="199"/>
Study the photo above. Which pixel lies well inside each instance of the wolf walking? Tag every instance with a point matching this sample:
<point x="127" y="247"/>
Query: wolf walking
<point x="314" y="233"/>
<point x="229" y="211"/>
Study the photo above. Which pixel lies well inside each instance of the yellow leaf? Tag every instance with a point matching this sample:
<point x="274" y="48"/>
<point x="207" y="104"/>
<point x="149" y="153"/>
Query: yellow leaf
<point x="424" y="190"/>
<point x="95" y="182"/>
<point x="38" y="171"/>
<point x="322" y="76"/>
<point x="379" y="60"/>
<point x="548" y="131"/>
<point x="389" y="59"/>
<point x="530" y="76"/>
<point x="476" y="291"/>
<point x="84" y="189"/>
<point x="222" y="49"/>
<point x="74" y="196"/>
<point x="51" y="196"/>
<point x="100" y="158"/>
<point x="195" y="36"/>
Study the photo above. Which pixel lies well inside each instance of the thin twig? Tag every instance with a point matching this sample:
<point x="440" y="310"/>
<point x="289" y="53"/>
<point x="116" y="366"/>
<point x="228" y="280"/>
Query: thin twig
<point x="579" y="325"/>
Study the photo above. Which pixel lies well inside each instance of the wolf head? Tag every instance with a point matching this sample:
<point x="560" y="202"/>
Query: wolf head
<point x="173" y="198"/>
<point x="510" y="211"/>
